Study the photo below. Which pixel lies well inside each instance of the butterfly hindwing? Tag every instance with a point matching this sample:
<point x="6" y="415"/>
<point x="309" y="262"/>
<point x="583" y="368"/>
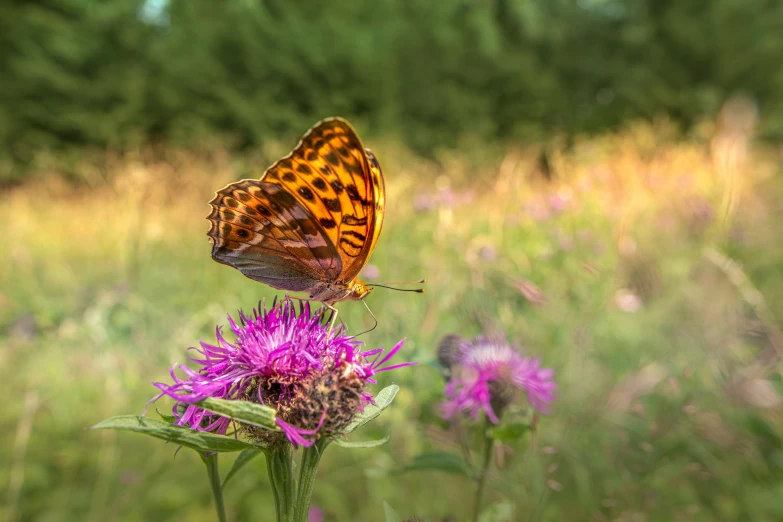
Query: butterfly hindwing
<point x="262" y="230"/>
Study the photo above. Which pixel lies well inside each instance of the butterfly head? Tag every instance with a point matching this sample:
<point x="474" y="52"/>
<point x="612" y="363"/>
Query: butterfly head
<point x="359" y="290"/>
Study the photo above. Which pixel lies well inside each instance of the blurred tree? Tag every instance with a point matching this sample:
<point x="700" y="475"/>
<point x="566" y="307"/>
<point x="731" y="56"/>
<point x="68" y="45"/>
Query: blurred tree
<point x="125" y="72"/>
<point x="74" y="73"/>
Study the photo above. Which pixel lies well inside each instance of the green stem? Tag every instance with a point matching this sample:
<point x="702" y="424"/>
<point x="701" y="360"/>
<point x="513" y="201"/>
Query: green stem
<point x="308" y="469"/>
<point x="211" y="461"/>
<point x="489" y="443"/>
<point x="281" y="477"/>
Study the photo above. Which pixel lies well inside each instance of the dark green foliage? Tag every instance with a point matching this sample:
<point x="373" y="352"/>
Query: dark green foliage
<point x="104" y="74"/>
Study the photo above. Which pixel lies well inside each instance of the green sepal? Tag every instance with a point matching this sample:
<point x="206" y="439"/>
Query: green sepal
<point x="168" y="418"/>
<point x="245" y="412"/>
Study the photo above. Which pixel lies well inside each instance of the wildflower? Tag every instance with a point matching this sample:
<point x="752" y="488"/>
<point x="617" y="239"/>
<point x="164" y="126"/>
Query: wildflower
<point x="627" y="301"/>
<point x="315" y="514"/>
<point x="371" y="272"/>
<point x="487" y="375"/>
<point x="531" y="292"/>
<point x="314" y="378"/>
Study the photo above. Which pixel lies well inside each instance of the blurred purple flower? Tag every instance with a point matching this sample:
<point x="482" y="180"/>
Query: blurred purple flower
<point x="627" y="301"/>
<point x="487" y="374"/>
<point x="315" y="514"/>
<point x="446" y="197"/>
<point x="536" y="210"/>
<point x="315" y="379"/>
<point x="371" y="272"/>
<point x="558" y="203"/>
<point x="488" y="253"/>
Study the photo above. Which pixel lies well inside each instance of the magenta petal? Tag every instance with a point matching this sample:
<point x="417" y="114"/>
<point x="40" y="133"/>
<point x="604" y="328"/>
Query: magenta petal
<point x="287" y="346"/>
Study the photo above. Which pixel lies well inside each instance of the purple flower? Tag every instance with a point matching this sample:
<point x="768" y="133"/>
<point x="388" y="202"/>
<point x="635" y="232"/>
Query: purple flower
<point x="315" y="379"/>
<point x="487" y="374"/>
<point x="315" y="514"/>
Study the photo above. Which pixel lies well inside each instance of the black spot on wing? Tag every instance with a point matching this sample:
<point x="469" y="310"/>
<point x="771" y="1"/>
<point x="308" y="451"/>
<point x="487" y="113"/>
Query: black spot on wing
<point x="304" y="169"/>
<point x="337" y="186"/>
<point x="353" y="193"/>
<point x="306" y="193"/>
<point x="286" y="164"/>
<point x="289" y="177"/>
<point x="327" y="223"/>
<point x="332" y="204"/>
<point x="350" y="244"/>
<point x="332" y="158"/>
<point x="319" y="184"/>
<point x="357" y="235"/>
<point x="348" y="219"/>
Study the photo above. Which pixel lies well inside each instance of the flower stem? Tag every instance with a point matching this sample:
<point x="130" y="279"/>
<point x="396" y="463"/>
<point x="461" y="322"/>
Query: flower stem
<point x="309" y="467"/>
<point x="211" y="460"/>
<point x="281" y="477"/>
<point x="489" y="443"/>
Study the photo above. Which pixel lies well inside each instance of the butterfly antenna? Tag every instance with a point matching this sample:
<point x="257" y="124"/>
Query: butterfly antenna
<point x="417" y="290"/>
<point x="384" y="285"/>
<point x="373" y="318"/>
<point x="420" y="281"/>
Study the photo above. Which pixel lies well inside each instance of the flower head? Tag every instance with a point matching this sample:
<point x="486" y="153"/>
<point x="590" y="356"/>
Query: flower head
<point x="487" y="374"/>
<point x="314" y="378"/>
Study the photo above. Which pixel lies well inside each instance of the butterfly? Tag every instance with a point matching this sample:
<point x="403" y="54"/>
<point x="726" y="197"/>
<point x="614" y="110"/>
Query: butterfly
<point x="311" y="222"/>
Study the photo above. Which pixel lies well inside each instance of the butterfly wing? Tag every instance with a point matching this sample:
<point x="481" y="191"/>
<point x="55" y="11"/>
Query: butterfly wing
<point x="341" y="185"/>
<point x="264" y="232"/>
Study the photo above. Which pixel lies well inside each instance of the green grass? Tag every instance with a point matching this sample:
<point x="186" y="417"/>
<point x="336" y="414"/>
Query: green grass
<point x="667" y="413"/>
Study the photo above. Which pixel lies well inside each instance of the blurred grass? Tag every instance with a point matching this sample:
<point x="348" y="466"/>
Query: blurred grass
<point x="669" y="401"/>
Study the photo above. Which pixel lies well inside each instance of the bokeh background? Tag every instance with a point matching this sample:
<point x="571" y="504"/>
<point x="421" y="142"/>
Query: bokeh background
<point x="599" y="180"/>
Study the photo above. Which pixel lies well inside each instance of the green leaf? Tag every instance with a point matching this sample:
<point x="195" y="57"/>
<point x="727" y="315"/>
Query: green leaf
<point x="242" y="459"/>
<point x="242" y="411"/>
<point x="367" y="444"/>
<point x="391" y="515"/>
<point x="508" y="432"/>
<point x="382" y="401"/>
<point x="440" y="461"/>
<point x="197" y="440"/>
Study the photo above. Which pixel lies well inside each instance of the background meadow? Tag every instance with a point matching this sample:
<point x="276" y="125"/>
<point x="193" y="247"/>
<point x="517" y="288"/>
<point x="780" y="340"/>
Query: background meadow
<point x="620" y="222"/>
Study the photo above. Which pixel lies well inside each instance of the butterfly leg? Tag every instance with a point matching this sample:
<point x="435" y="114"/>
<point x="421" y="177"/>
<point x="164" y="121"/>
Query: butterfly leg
<point x="334" y="317"/>
<point x="330" y="307"/>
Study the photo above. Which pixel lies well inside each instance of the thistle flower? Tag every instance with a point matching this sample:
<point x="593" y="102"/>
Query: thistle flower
<point x="314" y="378"/>
<point x="488" y="374"/>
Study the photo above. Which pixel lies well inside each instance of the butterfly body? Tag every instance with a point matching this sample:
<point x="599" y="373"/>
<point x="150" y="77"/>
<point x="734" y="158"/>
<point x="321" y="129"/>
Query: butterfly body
<point x="310" y="223"/>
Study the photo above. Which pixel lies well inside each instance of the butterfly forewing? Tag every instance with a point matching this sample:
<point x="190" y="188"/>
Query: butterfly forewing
<point x="331" y="174"/>
<point x="315" y="215"/>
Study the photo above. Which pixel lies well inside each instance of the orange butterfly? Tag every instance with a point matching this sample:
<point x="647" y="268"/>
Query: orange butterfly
<point x="312" y="220"/>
